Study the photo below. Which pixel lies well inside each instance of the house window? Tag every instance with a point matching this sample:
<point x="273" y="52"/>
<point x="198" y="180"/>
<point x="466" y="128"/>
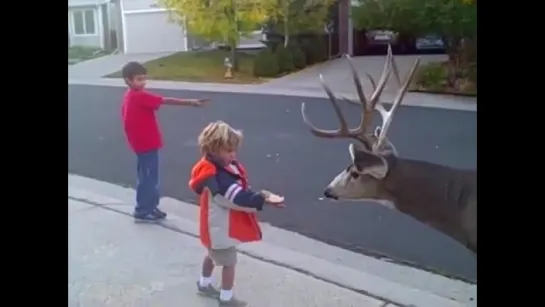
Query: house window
<point x="84" y="22"/>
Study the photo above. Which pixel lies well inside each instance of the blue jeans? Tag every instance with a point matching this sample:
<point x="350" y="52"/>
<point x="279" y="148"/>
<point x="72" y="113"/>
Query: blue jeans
<point x="147" y="188"/>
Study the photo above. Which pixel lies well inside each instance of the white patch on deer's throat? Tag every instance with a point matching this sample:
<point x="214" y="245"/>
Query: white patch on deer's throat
<point x="386" y="203"/>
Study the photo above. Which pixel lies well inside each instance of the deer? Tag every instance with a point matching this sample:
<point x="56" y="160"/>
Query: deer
<point x="442" y="197"/>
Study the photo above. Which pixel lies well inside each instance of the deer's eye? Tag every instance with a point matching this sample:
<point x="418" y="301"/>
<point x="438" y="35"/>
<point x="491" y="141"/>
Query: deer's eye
<point x="354" y="175"/>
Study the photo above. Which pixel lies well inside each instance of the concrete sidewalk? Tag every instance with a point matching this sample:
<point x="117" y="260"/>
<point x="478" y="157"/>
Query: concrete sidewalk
<point x="114" y="262"/>
<point x="109" y="267"/>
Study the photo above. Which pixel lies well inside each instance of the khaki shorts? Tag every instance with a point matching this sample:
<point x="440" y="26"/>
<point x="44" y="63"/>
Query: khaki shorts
<point x="223" y="257"/>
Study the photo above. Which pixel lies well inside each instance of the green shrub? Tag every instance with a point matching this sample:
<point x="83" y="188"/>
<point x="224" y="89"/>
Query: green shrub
<point x="315" y="50"/>
<point x="299" y="59"/>
<point x="432" y="76"/>
<point x="273" y="43"/>
<point x="306" y="47"/>
<point x="320" y="49"/>
<point x="266" y="64"/>
<point x="471" y="73"/>
<point x="285" y="59"/>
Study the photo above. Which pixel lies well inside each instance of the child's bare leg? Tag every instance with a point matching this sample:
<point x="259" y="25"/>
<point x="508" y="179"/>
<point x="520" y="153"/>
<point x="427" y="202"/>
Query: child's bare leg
<point x="229" y="261"/>
<point x="204" y="285"/>
<point x="206" y="273"/>
<point x="227" y="278"/>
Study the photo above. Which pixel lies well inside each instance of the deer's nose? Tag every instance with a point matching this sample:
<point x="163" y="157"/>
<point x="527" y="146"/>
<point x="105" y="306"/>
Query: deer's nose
<point x="329" y="193"/>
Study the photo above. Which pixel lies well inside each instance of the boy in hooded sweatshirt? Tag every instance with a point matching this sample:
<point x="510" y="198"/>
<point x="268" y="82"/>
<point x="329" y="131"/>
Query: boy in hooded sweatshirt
<point x="227" y="208"/>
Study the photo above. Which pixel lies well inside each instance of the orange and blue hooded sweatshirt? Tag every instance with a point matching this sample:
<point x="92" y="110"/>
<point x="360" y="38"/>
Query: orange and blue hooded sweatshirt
<point x="227" y="205"/>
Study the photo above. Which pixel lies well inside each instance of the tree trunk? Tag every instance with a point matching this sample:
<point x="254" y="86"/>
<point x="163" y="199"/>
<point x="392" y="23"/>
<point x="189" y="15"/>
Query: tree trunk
<point x="234" y="57"/>
<point x="329" y="47"/>
<point x="454" y="49"/>
<point x="234" y="39"/>
<point x="470" y="50"/>
<point x="286" y="31"/>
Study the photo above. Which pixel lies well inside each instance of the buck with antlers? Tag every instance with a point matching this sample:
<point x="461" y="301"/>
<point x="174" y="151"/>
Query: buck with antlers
<point x="442" y="197"/>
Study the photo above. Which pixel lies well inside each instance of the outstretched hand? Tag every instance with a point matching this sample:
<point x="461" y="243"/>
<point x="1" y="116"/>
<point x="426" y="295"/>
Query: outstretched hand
<point x="273" y="199"/>
<point x="200" y="102"/>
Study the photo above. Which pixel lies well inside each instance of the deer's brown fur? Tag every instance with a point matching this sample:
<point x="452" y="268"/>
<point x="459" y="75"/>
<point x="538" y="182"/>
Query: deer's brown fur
<point x="442" y="197"/>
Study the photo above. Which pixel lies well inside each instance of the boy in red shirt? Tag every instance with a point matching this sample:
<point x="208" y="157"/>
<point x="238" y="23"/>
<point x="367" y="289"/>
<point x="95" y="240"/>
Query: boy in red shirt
<point x="144" y="137"/>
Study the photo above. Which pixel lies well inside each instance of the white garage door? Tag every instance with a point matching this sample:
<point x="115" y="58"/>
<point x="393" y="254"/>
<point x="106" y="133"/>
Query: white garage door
<point x="149" y="31"/>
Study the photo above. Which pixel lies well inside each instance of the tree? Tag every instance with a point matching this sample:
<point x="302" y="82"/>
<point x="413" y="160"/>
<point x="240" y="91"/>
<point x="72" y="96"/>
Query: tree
<point x="448" y="18"/>
<point x="292" y="17"/>
<point x="454" y="20"/>
<point x="219" y="20"/>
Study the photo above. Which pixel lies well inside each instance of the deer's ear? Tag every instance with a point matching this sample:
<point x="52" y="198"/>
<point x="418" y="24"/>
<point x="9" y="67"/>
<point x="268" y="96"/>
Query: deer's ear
<point x="368" y="163"/>
<point x="355" y="151"/>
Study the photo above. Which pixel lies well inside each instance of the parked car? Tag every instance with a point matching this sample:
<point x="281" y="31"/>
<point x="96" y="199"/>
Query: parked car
<point x="376" y="41"/>
<point x="373" y="41"/>
<point x="429" y="43"/>
<point x="378" y="38"/>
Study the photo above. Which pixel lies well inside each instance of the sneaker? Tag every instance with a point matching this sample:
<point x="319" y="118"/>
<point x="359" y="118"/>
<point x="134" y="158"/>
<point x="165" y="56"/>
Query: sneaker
<point x="159" y="213"/>
<point x="209" y="291"/>
<point x="147" y="218"/>
<point x="233" y="302"/>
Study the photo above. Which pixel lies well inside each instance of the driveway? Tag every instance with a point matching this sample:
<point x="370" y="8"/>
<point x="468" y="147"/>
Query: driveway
<point x="337" y="74"/>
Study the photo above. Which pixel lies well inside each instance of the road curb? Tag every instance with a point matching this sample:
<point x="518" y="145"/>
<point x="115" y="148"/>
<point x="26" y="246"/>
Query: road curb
<point x="412" y="99"/>
<point x="185" y="217"/>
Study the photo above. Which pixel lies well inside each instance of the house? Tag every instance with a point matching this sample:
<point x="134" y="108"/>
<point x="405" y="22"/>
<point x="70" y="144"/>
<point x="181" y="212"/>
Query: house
<point x="90" y="24"/>
<point x="148" y="28"/>
<point x="142" y="26"/>
<point x="130" y="26"/>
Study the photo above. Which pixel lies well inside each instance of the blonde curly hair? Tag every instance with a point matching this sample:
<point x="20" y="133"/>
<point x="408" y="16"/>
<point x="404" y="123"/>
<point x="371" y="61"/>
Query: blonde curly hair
<point x="219" y="135"/>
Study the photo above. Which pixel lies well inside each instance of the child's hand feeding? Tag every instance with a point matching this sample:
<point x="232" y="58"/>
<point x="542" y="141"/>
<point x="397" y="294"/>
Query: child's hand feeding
<point x="273" y="199"/>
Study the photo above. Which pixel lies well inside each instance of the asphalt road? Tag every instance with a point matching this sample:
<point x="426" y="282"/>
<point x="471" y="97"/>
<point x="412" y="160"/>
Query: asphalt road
<point x="281" y="155"/>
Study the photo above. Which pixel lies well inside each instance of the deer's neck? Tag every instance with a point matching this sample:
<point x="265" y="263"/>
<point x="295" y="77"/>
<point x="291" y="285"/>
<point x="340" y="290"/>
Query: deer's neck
<point x="433" y="194"/>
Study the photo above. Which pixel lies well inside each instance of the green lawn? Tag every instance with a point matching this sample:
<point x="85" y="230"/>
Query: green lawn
<point x="203" y="66"/>
<point x="80" y="53"/>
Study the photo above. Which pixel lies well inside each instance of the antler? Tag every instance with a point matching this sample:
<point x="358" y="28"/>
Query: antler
<point x="387" y="115"/>
<point x="368" y="105"/>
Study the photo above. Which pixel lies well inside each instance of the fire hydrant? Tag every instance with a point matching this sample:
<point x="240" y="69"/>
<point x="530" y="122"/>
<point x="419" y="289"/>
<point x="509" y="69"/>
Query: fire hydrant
<point x="228" y="68"/>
